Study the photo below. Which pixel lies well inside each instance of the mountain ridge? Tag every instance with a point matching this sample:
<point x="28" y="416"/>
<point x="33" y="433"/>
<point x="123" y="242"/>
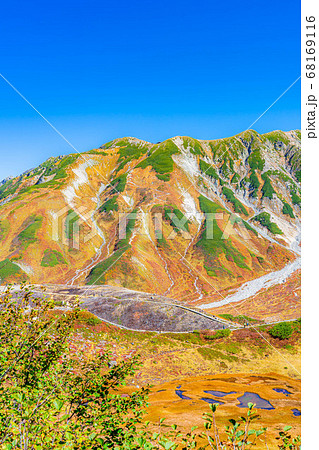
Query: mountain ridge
<point x="251" y="180"/>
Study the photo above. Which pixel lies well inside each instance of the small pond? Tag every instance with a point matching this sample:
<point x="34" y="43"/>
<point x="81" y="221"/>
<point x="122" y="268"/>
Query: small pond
<point x="296" y="412"/>
<point x="219" y="393"/>
<point x="251" y="397"/>
<point x="180" y="394"/>
<point x="282" y="391"/>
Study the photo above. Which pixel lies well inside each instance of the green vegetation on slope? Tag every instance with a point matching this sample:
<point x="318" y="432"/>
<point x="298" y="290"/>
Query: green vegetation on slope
<point x="267" y="189"/>
<point x="8" y="269"/>
<point x="238" y="206"/>
<point x="4" y="228"/>
<point x="287" y="209"/>
<point x="295" y="198"/>
<point x="255" y="161"/>
<point x="161" y="159"/>
<point x="227" y="167"/>
<point x="277" y="136"/>
<point x="207" y="169"/>
<point x="213" y="247"/>
<point x="169" y="214"/>
<point x="129" y="227"/>
<point x="128" y="152"/>
<point x="119" y="183"/>
<point x="54" y="167"/>
<point x="235" y="179"/>
<point x="248" y="227"/>
<point x="28" y="235"/>
<point x="298" y="175"/>
<point x="96" y="275"/>
<point x="255" y="183"/>
<point x="264" y="220"/>
<point x="60" y="170"/>
<point x="52" y="258"/>
<point x="194" y="146"/>
<point x="109" y="205"/>
<point x="70" y="221"/>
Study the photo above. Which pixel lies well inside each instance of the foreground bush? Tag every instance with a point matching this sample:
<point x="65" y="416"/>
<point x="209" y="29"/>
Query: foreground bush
<point x="281" y="330"/>
<point x="51" y="398"/>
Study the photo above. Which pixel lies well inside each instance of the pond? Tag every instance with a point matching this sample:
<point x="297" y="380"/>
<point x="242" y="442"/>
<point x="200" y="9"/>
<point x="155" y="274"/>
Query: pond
<point x="296" y="412"/>
<point x="180" y="394"/>
<point x="251" y="397"/>
<point x="282" y="391"/>
<point x="219" y="393"/>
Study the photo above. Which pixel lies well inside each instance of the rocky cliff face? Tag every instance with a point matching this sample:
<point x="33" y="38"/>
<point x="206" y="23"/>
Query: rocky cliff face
<point x="182" y="218"/>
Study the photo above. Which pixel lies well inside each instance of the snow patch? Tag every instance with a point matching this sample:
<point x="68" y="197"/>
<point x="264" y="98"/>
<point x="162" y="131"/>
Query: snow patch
<point x="189" y="206"/>
<point x="69" y="192"/>
<point x="186" y="160"/>
<point x="252" y="287"/>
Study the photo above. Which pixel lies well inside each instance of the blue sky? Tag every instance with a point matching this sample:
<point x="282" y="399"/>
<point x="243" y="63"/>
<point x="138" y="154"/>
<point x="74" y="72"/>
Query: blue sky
<point x="152" y="69"/>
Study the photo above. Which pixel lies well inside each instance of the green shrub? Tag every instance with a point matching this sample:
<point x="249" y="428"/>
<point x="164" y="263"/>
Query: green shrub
<point x="88" y="318"/>
<point x="213" y="247"/>
<point x="219" y="334"/>
<point x="242" y="319"/>
<point x="52" y="258"/>
<point x="10" y="187"/>
<point x="281" y="330"/>
<point x="169" y="210"/>
<point x="277" y="136"/>
<point x="267" y="188"/>
<point x="264" y="220"/>
<point x="109" y="205"/>
<point x="60" y="169"/>
<point x="254" y="182"/>
<point x="119" y="183"/>
<point x="161" y="159"/>
<point x="8" y="269"/>
<point x="238" y="206"/>
<point x="96" y="275"/>
<point x="255" y="161"/>
<point x="235" y="179"/>
<point x="194" y="145"/>
<point x="208" y="170"/>
<point x="248" y="227"/>
<point x="128" y="152"/>
<point x="287" y="209"/>
<point x="298" y="175"/>
<point x="295" y="198"/>
<point x="4" y="228"/>
<point x="28" y="235"/>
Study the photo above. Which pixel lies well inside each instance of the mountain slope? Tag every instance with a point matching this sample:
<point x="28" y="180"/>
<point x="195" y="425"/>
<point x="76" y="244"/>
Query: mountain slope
<point x="199" y="216"/>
